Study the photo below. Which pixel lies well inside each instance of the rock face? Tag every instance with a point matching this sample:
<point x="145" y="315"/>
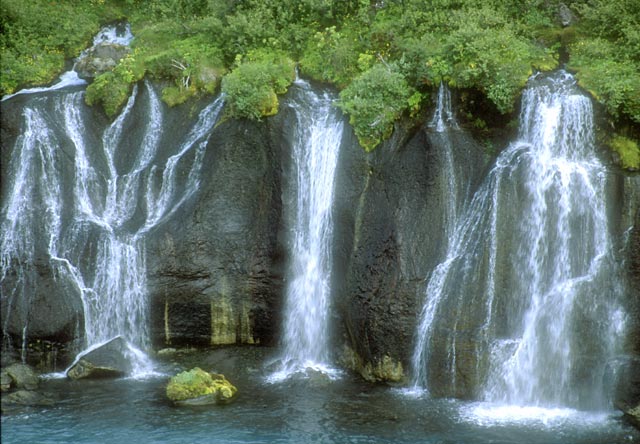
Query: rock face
<point x="107" y="361"/>
<point x="214" y="268"/>
<point x="632" y="416"/>
<point x="100" y="59"/>
<point x="389" y="213"/>
<point x="197" y="387"/>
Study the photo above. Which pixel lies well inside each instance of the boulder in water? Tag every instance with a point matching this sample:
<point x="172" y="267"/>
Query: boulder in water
<point x="107" y="361"/>
<point x="21" y="377"/>
<point x="197" y="387"/>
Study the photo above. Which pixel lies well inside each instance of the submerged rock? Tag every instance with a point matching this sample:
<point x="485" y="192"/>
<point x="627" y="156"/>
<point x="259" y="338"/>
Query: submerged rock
<point x="27" y="397"/>
<point x="107" y="361"/>
<point x="197" y="387"/>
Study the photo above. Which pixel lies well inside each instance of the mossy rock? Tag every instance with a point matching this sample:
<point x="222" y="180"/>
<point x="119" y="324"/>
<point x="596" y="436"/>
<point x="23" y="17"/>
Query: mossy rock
<point x="628" y="152"/>
<point x="197" y="387"/>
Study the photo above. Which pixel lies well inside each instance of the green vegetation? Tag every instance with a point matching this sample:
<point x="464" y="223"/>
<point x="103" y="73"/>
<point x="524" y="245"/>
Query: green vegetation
<point x="374" y="101"/>
<point x="252" y="87"/>
<point x="38" y="36"/>
<point x="196" y="382"/>
<point x="628" y="150"/>
<point x="386" y="57"/>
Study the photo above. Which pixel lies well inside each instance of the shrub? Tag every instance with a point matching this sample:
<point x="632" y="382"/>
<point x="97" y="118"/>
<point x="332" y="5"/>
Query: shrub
<point x="374" y="101"/>
<point x="251" y="88"/>
<point x="628" y="151"/>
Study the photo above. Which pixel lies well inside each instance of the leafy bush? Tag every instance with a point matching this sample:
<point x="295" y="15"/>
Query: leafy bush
<point x="37" y="36"/>
<point x="251" y="88"/>
<point x="612" y="81"/>
<point x="112" y="88"/>
<point x="628" y="150"/>
<point x="374" y="101"/>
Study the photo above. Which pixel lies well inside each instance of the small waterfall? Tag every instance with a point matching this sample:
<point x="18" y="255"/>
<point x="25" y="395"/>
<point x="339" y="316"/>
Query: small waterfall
<point x="443" y="121"/>
<point x="443" y="117"/>
<point x="119" y="34"/>
<point x="525" y="291"/>
<point x="317" y="140"/>
<point x="95" y="221"/>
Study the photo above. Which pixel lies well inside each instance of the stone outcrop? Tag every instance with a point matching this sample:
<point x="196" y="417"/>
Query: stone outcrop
<point x="19" y="376"/>
<point x="107" y="361"/>
<point x="197" y="387"/>
<point x="99" y="59"/>
<point x="632" y="416"/>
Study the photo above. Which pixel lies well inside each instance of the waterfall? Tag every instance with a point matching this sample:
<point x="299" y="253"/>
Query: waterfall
<point x="119" y="34"/>
<point x="525" y="291"/>
<point x="90" y="226"/>
<point x="316" y="143"/>
<point x="443" y="117"/>
<point x="443" y="121"/>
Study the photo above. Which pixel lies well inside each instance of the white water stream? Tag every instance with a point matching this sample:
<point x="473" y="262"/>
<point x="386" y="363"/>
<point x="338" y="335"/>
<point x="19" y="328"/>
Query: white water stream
<point x="316" y="144"/>
<point x="93" y="237"/>
<point x="547" y="300"/>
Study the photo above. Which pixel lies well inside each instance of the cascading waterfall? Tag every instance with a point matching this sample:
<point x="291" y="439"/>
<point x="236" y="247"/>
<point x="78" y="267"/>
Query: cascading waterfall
<point x="95" y="239"/>
<point x="525" y="291"/>
<point x="317" y="141"/>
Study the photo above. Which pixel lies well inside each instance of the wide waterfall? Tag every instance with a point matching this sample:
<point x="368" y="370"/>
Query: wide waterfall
<point x="523" y="309"/>
<point x="315" y="147"/>
<point x="89" y="227"/>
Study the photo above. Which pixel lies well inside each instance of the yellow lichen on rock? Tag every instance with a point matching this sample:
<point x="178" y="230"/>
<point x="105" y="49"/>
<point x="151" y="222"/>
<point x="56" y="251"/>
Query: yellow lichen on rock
<point x="385" y="370"/>
<point x="196" y="384"/>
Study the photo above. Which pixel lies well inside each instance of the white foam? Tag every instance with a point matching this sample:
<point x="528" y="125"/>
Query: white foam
<point x="487" y="414"/>
<point x="302" y="371"/>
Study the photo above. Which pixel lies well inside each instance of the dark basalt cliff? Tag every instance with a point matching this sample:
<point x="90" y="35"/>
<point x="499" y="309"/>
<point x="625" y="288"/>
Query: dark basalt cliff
<point x="215" y="268"/>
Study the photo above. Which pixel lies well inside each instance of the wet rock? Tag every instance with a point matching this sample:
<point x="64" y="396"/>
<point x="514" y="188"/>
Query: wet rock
<point x="632" y="416"/>
<point x="197" y="387"/>
<point x="390" y="231"/>
<point x="566" y="16"/>
<point x="107" y="361"/>
<point x="100" y="59"/>
<point x="213" y="273"/>
<point x="385" y="369"/>
<point x="5" y="381"/>
<point x="167" y="352"/>
<point x="22" y="377"/>
<point x="27" y="398"/>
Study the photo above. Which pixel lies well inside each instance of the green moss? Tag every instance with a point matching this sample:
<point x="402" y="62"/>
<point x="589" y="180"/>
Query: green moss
<point x="196" y="382"/>
<point x="628" y="150"/>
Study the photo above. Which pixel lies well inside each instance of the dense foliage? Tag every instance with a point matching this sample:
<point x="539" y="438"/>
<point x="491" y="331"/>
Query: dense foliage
<point x="38" y="36"/>
<point x="386" y="56"/>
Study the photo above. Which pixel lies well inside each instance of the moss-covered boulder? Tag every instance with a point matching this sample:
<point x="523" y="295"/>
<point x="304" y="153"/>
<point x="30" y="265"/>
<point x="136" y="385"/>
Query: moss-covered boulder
<point x="197" y="387"/>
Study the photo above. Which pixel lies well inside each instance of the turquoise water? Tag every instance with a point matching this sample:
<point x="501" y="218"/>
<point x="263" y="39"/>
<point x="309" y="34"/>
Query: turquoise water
<point x="299" y="410"/>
